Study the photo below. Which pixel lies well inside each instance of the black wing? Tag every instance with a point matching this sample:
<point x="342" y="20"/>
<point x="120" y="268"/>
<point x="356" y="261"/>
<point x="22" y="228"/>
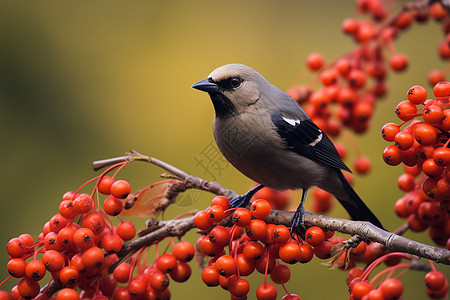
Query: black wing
<point x="305" y="138"/>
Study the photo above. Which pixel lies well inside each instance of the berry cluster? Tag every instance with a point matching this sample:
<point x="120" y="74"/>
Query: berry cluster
<point x="345" y="91"/>
<point x="78" y="245"/>
<point x="422" y="146"/>
<point x="385" y="285"/>
<point x="254" y="244"/>
<point x="152" y="282"/>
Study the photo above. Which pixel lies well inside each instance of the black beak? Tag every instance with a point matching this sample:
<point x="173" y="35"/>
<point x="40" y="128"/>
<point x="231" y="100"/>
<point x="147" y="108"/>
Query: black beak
<point x="207" y="86"/>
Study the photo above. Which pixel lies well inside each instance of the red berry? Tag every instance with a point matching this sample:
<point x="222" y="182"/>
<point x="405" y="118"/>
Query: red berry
<point x="398" y="62"/>
<point x="210" y="276"/>
<point x="184" y="251"/>
<point x="253" y="251"/>
<point x="83" y="203"/>
<point x="266" y="291"/>
<point x="405" y="110"/>
<point x="425" y="134"/>
<point x="112" y="243"/>
<point x="122" y="272"/>
<point x="280" y="234"/>
<point x="104" y="185"/>
<point x="360" y="289"/>
<point x="260" y="209"/>
<point x="67" y="209"/>
<point x="256" y="230"/>
<point x="67" y="294"/>
<point x="442" y="89"/>
<point x="112" y="206"/>
<point x="222" y="201"/>
<point x="245" y="266"/>
<point x="181" y="272"/>
<point x="120" y="189"/>
<point x="202" y="220"/>
<point x="239" y="287"/>
<point x="6" y="296"/>
<point x="356" y="78"/>
<point x="435" y="76"/>
<point x="433" y="114"/>
<point x="126" y="230"/>
<point x="404" y="140"/>
<point x="159" y="281"/>
<point x="216" y="213"/>
<point x="93" y="258"/>
<point x="166" y="263"/>
<point x="28" y="289"/>
<point x="83" y="238"/>
<point x="242" y="217"/>
<point x="350" y="26"/>
<point x="306" y="253"/>
<point x="392" y="288"/>
<point x="406" y="182"/>
<point x="314" y="236"/>
<point x="280" y="274"/>
<point x="441" y="156"/>
<point x="392" y="155"/>
<point x="315" y="61"/>
<point x="16" y="267"/>
<point x="53" y="260"/>
<point x="16" y="247"/>
<point x="417" y="94"/>
<point x="219" y="235"/>
<point x="435" y="280"/>
<point x="290" y="252"/>
<point x="35" y="270"/>
<point x="389" y="131"/>
<point x="432" y="169"/>
<point x="363" y="164"/>
<point x="95" y="222"/>
<point x="225" y="265"/>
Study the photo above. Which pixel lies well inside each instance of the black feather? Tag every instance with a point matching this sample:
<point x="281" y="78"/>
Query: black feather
<point x="302" y="139"/>
<point x="355" y="207"/>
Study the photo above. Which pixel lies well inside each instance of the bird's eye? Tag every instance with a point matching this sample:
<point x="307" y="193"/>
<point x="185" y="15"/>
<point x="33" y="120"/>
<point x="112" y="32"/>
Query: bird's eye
<point x="235" y="82"/>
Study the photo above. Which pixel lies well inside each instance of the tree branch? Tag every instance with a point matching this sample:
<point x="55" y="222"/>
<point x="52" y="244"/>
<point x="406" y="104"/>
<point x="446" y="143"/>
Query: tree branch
<point x="366" y="230"/>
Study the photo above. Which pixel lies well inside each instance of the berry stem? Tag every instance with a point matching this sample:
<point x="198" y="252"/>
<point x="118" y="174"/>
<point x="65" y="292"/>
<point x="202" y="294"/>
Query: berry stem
<point x="267" y="264"/>
<point x="120" y="168"/>
<point x="432" y="265"/>
<point x="7" y="278"/>
<point x="285" y="289"/>
<point x="167" y="247"/>
<point x="379" y="260"/>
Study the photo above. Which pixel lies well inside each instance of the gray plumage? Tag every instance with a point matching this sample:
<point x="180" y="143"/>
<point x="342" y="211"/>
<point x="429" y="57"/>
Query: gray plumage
<point x="268" y="137"/>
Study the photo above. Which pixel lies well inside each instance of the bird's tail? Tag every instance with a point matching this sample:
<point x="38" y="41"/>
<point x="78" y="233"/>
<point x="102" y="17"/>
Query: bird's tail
<point x="355" y="207"/>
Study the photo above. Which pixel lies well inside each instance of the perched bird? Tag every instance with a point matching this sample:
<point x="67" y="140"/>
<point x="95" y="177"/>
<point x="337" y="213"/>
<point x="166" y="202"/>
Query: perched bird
<point x="268" y="137"/>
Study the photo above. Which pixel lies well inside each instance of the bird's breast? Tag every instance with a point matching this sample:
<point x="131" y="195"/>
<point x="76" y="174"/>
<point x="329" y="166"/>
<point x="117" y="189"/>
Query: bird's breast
<point x="252" y="145"/>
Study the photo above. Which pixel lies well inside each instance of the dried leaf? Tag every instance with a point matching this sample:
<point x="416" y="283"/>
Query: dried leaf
<point x="336" y="249"/>
<point x="153" y="199"/>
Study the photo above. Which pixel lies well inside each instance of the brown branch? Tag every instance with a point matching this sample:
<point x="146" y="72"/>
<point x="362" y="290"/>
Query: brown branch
<point x="190" y="181"/>
<point x="366" y="230"/>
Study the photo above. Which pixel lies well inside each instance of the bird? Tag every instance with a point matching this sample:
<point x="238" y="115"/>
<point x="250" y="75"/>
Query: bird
<point x="268" y="137"/>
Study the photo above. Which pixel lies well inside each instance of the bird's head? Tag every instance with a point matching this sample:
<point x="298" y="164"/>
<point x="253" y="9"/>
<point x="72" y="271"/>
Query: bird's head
<point x="232" y="88"/>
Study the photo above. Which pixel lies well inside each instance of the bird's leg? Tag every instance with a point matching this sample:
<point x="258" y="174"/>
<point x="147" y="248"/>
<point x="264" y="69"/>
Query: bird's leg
<point x="244" y="199"/>
<point x="298" y="219"/>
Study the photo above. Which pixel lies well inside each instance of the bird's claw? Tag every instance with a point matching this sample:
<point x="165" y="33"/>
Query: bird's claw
<point x="243" y="200"/>
<point x="239" y="201"/>
<point x="298" y="227"/>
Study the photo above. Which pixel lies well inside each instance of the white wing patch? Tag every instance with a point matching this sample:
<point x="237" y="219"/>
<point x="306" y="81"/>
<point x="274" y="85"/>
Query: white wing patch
<point x="292" y="122"/>
<point x="319" y="138"/>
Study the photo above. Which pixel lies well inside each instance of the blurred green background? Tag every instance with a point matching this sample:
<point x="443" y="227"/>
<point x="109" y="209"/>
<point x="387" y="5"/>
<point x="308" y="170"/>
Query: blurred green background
<point x="81" y="81"/>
